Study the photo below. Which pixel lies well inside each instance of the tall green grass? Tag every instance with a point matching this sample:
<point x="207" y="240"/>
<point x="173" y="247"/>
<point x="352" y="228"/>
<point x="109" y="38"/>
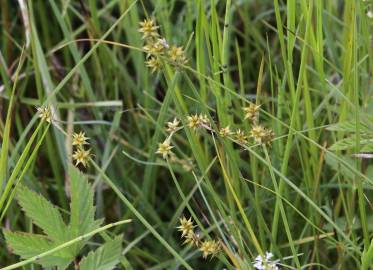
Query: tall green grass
<point x="307" y="198"/>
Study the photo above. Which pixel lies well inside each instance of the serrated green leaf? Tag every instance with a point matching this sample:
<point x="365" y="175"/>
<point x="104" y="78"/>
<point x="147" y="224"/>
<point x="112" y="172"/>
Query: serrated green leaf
<point x="368" y="147"/>
<point x="82" y="218"/>
<point x="367" y="258"/>
<point x="343" y="144"/>
<point x="29" y="245"/>
<point x="350" y="126"/>
<point x="43" y="214"/>
<point x="46" y="216"/>
<point x="82" y="207"/>
<point x="349" y="143"/>
<point x="104" y="258"/>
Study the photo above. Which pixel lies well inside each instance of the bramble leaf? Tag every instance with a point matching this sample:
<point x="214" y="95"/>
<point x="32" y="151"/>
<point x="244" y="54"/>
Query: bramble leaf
<point x="103" y="258"/>
<point x="367" y="258"/>
<point x="46" y="216"/>
<point x="43" y="214"/>
<point x="28" y="245"/>
<point x="350" y="126"/>
<point x="82" y="218"/>
<point x="350" y="143"/>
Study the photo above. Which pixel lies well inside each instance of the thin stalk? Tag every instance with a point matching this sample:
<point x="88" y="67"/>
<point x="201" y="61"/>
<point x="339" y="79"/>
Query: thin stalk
<point x="132" y="208"/>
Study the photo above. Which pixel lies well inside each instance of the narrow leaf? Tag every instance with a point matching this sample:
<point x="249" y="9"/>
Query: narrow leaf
<point x="6" y="132"/>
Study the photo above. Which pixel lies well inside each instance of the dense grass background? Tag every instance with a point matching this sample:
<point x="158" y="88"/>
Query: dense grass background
<point x="309" y="63"/>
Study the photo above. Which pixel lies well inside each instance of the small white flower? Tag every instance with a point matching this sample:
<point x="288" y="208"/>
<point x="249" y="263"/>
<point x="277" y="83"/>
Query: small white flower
<point x="265" y="263"/>
<point x="45" y="113"/>
<point x="269" y="255"/>
<point x="173" y="126"/>
<point x="164" y="149"/>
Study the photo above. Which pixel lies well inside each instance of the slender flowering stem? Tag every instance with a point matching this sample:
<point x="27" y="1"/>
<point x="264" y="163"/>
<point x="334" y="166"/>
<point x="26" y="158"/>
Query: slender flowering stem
<point x="239" y="206"/>
<point x="132" y="208"/>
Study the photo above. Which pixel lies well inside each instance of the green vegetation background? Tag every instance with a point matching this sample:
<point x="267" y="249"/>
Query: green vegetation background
<point x="307" y="198"/>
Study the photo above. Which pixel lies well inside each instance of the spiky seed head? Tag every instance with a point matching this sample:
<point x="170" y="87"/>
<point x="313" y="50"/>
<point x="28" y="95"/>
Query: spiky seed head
<point x="209" y="247"/>
<point x="154" y="48"/>
<point x="258" y="133"/>
<point x="240" y="136"/>
<point x="193" y="239"/>
<point x="45" y="113"/>
<point x="194" y="121"/>
<point x="79" y="139"/>
<point x="252" y="112"/>
<point x="82" y="156"/>
<point x="225" y="132"/>
<point x="173" y="126"/>
<point x="204" y="120"/>
<point x="186" y="226"/>
<point x="177" y="55"/>
<point x="164" y="149"/>
<point x="269" y="136"/>
<point x="154" y="63"/>
<point x="149" y="29"/>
